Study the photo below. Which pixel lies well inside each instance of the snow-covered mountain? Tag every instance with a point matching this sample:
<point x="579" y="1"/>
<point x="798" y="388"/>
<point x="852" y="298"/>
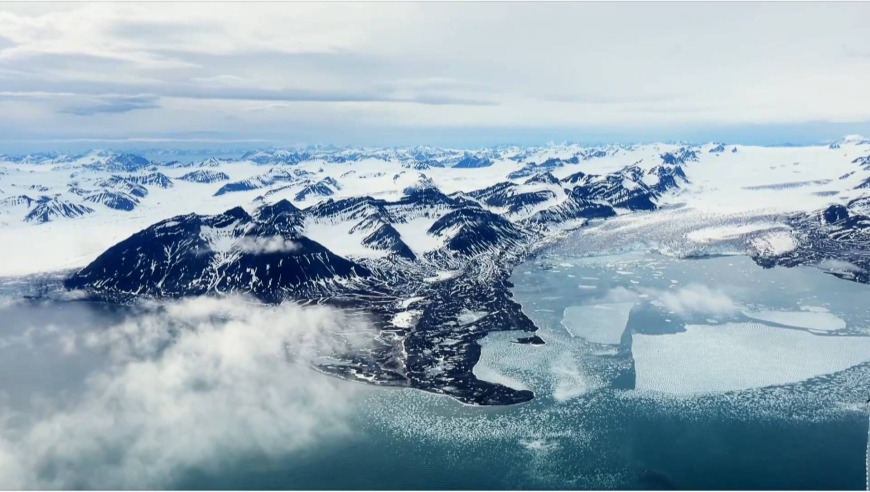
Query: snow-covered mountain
<point x="418" y="237"/>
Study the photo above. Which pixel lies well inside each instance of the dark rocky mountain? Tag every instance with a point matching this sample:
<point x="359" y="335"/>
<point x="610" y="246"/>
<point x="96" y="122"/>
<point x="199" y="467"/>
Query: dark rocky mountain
<point x="122" y="184"/>
<point x="615" y="190"/>
<point x="276" y="157"/>
<point x="669" y="177"/>
<point x="122" y="163"/>
<point x="387" y="238"/>
<point x="17" y="201"/>
<point x="273" y="176"/>
<point x="575" y="178"/>
<point x="157" y="179"/>
<point x="320" y="188"/>
<point x="572" y="209"/>
<point x="512" y="197"/>
<point x="532" y="168"/>
<point x="205" y="176"/>
<point x="836" y="239"/>
<point x="680" y="156"/>
<point x="863" y="162"/>
<point x="267" y="254"/>
<point x="47" y="209"/>
<point x="473" y="161"/>
<point x="262" y="254"/>
<point x="471" y="231"/>
<point x="115" y="200"/>
<point x="542" y="178"/>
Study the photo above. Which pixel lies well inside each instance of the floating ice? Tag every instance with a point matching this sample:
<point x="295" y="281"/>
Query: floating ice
<point x="736" y="356"/>
<point x="811" y="320"/>
<point x="486" y="372"/>
<point x="569" y="382"/>
<point x="815" y="309"/>
<point x="539" y="446"/>
<point x="599" y="323"/>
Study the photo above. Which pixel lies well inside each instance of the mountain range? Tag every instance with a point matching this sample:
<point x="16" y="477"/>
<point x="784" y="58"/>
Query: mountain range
<point x="422" y="239"/>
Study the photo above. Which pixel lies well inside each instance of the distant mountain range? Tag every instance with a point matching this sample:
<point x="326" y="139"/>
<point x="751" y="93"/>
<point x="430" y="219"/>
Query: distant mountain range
<point x="420" y="237"/>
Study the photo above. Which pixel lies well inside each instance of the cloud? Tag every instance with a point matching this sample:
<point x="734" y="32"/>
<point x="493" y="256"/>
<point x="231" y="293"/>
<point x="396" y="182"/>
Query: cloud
<point x="618" y="295"/>
<point x="425" y="68"/>
<point x="694" y="299"/>
<point x="191" y="384"/>
<point x="87" y="104"/>
<point x="113" y="104"/>
<point x="266" y="244"/>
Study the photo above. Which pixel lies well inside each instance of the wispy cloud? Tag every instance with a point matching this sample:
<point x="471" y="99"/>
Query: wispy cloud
<point x="694" y="299"/>
<point x="343" y="69"/>
<point x="267" y="244"/>
<point x="113" y="104"/>
<point x="188" y="385"/>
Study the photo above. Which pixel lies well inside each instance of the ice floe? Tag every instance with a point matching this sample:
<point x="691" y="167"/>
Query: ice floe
<point x="737" y="356"/>
<point x="598" y="323"/>
<point x="811" y="320"/>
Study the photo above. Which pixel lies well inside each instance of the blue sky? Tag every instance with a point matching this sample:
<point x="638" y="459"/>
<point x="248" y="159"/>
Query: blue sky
<point x="464" y="74"/>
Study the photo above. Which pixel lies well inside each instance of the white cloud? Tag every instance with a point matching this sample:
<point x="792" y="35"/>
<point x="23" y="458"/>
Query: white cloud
<point x="694" y="299"/>
<point x="428" y="65"/>
<point x="266" y="244"/>
<point x="189" y="384"/>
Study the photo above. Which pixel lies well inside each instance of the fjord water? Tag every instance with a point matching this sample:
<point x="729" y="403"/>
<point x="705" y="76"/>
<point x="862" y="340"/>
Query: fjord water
<point x="645" y="405"/>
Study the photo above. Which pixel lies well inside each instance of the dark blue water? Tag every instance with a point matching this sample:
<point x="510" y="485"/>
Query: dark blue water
<point x="587" y="428"/>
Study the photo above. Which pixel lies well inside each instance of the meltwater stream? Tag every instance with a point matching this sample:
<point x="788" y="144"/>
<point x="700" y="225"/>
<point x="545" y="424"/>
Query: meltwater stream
<point x="657" y="373"/>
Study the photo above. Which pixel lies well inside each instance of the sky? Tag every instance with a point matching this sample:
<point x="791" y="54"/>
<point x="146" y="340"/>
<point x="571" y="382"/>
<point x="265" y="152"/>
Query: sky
<point x="462" y="74"/>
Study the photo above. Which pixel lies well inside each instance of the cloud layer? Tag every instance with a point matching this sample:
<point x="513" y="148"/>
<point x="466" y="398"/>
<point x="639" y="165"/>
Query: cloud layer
<point x="339" y="72"/>
<point x="189" y="385"/>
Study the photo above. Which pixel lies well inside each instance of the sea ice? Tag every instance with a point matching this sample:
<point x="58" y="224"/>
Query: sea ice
<point x="568" y="379"/>
<point x="737" y="356"/>
<point x="598" y="323"/>
<point x="811" y="320"/>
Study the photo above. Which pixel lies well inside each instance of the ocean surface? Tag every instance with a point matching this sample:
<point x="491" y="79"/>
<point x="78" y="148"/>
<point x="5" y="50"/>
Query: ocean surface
<point x="657" y="373"/>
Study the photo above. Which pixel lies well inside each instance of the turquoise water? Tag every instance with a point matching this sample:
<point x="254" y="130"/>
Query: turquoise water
<point x="589" y="426"/>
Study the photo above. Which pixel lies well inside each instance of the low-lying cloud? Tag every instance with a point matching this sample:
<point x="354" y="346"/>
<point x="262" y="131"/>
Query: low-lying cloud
<point x="192" y="384"/>
<point x="269" y="244"/>
<point x="694" y="299"/>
